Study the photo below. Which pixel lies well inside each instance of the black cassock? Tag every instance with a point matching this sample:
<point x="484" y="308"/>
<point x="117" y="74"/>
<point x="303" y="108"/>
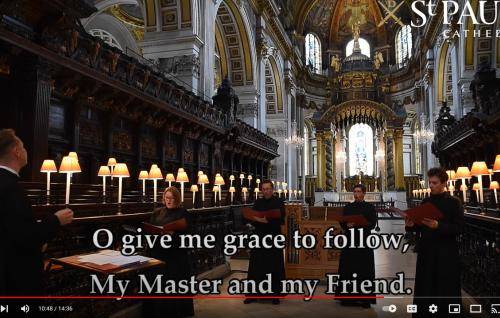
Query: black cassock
<point x="358" y="260"/>
<point x="21" y="240"/>
<point x="177" y="266"/>
<point x="268" y="261"/>
<point x="438" y="262"/>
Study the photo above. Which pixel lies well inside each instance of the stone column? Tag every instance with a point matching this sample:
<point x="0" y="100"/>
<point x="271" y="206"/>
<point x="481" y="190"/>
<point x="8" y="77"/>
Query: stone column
<point x="391" y="178"/>
<point x="398" y="159"/>
<point x="320" y="180"/>
<point x="329" y="168"/>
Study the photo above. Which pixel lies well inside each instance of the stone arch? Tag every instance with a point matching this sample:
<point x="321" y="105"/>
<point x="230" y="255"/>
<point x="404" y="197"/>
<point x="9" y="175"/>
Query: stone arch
<point x="235" y="38"/>
<point x="274" y="90"/>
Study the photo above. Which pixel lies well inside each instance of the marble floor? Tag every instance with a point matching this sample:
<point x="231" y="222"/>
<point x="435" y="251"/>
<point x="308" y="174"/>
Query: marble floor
<point x="387" y="263"/>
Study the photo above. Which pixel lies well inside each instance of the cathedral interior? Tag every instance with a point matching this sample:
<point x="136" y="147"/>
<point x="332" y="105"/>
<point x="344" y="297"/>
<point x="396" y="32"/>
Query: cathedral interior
<point x="316" y="95"/>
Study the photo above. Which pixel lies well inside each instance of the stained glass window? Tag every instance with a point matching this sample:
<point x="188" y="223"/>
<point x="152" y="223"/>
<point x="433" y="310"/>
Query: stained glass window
<point x="403" y="44"/>
<point x="313" y="52"/>
<point x="361" y="150"/>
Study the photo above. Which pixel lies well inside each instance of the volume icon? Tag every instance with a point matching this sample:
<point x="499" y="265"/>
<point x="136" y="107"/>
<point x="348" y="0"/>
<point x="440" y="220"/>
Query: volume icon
<point x="25" y="309"/>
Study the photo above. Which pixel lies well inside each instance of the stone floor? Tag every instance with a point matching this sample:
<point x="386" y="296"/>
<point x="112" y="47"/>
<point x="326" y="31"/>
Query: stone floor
<point x="387" y="263"/>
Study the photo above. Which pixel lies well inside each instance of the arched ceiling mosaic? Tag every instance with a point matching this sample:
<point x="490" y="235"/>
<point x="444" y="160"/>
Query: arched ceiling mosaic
<point x="332" y="20"/>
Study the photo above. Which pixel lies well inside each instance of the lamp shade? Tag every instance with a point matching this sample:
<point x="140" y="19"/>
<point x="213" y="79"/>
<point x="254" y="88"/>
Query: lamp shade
<point x="476" y="186"/>
<point x="203" y="179"/>
<point x="69" y="165"/>
<point x="48" y="166"/>
<point x="494" y="185"/>
<point x="143" y="175"/>
<point x="244" y="190"/>
<point x="496" y="165"/>
<point x="155" y="173"/>
<point x="104" y="171"/>
<point x="232" y="189"/>
<point x="257" y="181"/>
<point x="219" y="180"/>
<point x="256" y="190"/>
<point x="215" y="189"/>
<point x="479" y="168"/>
<point x="182" y="176"/>
<point x="73" y="154"/>
<point x="463" y="187"/>
<point x="170" y="177"/>
<point x="194" y="188"/>
<point x="242" y="176"/>
<point x="121" y="170"/>
<point x="462" y="172"/>
<point x="231" y="178"/>
<point x="180" y="170"/>
<point x="112" y="162"/>
<point x="200" y="173"/>
<point x="250" y="177"/>
<point x="451" y="175"/>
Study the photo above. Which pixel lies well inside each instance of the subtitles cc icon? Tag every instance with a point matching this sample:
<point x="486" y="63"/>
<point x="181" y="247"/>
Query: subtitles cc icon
<point x="391" y="308"/>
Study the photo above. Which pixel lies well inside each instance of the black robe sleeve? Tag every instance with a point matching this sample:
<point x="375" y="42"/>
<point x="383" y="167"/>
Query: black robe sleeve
<point x="453" y="224"/>
<point x="21" y="228"/>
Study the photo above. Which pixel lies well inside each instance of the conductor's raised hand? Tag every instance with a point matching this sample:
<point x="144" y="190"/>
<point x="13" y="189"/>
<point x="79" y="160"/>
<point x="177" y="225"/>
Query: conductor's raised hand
<point x="65" y="216"/>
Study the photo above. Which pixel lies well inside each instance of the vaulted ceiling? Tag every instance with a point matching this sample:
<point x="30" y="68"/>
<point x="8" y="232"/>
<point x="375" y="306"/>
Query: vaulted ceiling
<point x="332" y="20"/>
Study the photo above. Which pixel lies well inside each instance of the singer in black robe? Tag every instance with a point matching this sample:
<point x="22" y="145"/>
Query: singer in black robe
<point x="21" y="240"/>
<point x="268" y="261"/>
<point x="177" y="265"/>
<point x="438" y="262"/>
<point x="357" y="260"/>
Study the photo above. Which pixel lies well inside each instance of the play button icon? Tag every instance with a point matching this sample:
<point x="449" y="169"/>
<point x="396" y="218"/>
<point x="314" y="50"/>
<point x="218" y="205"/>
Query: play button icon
<point x="4" y="308"/>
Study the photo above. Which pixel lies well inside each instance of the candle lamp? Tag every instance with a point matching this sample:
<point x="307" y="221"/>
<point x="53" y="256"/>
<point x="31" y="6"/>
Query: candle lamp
<point x="463" y="173"/>
<point x="249" y="180"/>
<point x="215" y="190"/>
<point x="104" y="172"/>
<point x="170" y="178"/>
<point x="155" y="175"/>
<point x="69" y="165"/>
<point x="231" y="179"/>
<point x="111" y="164"/>
<point x="463" y="188"/>
<point x="219" y="181"/>
<point x="494" y="186"/>
<point x="451" y="189"/>
<point x="232" y="190"/>
<point x="242" y="176"/>
<point x="182" y="178"/>
<point x="202" y="179"/>
<point x="279" y="193"/>
<point x="143" y="175"/>
<point x="479" y="169"/>
<point x="300" y="194"/>
<point x="194" y="189"/>
<point x="120" y="171"/>
<point x="476" y="187"/>
<point x="256" y="191"/>
<point x="48" y="167"/>
<point x="244" y="190"/>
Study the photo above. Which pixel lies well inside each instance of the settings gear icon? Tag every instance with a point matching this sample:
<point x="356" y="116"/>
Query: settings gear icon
<point x="433" y="309"/>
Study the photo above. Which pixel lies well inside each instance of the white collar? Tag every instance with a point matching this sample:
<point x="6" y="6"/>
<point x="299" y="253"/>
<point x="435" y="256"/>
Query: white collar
<point x="10" y="170"/>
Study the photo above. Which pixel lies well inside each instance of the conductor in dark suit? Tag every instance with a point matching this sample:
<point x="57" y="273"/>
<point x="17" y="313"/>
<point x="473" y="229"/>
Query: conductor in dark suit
<point x="21" y="236"/>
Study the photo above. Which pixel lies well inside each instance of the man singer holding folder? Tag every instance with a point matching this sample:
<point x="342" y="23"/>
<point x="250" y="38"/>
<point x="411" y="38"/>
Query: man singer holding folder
<point x="267" y="261"/>
<point x="437" y="275"/>
<point x="358" y="260"/>
<point x="21" y="236"/>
